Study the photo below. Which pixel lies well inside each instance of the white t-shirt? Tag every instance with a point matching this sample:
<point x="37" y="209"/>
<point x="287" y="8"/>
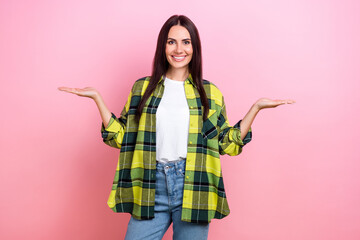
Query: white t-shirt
<point x="172" y="122"/>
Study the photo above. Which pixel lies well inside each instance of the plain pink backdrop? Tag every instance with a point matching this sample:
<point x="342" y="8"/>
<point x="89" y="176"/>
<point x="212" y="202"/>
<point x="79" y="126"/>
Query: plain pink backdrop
<point x="298" y="178"/>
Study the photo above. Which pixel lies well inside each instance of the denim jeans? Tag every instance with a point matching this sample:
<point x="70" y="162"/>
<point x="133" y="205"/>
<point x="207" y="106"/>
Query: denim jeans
<point x="168" y="205"/>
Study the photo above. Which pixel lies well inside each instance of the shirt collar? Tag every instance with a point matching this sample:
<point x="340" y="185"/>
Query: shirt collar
<point x="189" y="79"/>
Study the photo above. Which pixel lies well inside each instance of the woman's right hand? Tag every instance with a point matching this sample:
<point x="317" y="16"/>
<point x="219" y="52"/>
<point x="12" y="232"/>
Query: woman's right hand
<point x="82" y="92"/>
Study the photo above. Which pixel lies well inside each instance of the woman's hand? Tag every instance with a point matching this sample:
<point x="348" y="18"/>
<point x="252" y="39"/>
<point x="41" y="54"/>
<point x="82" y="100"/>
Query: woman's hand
<point x="95" y="95"/>
<point x="258" y="105"/>
<point x="82" y="92"/>
<point x="268" y="103"/>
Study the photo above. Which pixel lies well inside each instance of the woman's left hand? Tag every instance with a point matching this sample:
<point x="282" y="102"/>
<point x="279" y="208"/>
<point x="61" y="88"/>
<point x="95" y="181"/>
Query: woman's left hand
<point x="268" y="103"/>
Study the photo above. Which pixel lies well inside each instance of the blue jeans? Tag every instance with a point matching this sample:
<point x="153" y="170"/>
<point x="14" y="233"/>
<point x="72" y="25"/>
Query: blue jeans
<point x="168" y="205"/>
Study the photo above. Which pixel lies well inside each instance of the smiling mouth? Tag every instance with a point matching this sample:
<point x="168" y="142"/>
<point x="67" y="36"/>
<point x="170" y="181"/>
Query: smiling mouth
<point x="178" y="59"/>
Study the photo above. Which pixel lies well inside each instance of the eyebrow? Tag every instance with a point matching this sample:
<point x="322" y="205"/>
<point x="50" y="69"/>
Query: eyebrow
<point x="182" y="40"/>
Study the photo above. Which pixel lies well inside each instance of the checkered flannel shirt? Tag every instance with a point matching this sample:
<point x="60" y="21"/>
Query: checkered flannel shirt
<point x="133" y="188"/>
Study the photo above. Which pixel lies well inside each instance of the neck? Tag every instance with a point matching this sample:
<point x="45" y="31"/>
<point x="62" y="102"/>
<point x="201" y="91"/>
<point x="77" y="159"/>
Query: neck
<point x="177" y="74"/>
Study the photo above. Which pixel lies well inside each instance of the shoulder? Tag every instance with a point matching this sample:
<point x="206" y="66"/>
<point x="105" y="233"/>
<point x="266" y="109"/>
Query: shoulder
<point x="142" y="81"/>
<point x="139" y="85"/>
<point x="146" y="78"/>
<point x="211" y="86"/>
<point x="212" y="91"/>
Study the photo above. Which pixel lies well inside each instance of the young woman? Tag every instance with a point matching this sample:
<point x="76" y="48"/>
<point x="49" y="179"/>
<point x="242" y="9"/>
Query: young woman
<point x="170" y="133"/>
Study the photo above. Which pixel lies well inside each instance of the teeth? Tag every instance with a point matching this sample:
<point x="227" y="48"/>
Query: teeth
<point x="179" y="57"/>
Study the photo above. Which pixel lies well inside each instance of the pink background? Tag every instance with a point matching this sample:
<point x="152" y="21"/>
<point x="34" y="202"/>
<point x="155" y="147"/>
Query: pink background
<point x="299" y="177"/>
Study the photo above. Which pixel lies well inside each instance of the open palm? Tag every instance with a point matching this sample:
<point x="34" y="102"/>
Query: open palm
<point x="89" y="92"/>
<point x="269" y="103"/>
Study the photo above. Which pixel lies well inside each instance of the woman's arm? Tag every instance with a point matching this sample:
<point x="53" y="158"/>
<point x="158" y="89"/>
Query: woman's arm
<point x="95" y="95"/>
<point x="260" y="104"/>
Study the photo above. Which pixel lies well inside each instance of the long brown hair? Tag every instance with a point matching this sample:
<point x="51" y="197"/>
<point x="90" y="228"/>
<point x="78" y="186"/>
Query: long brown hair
<point x="161" y="65"/>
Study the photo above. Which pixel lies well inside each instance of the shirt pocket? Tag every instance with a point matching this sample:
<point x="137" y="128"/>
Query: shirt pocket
<point x="209" y="129"/>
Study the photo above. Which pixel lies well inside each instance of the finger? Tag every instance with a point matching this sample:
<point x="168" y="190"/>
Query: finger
<point x="69" y="90"/>
<point x="287" y="101"/>
<point x="290" y="101"/>
<point x="65" y="89"/>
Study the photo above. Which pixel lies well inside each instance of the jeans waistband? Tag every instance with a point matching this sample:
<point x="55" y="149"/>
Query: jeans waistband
<point x="177" y="164"/>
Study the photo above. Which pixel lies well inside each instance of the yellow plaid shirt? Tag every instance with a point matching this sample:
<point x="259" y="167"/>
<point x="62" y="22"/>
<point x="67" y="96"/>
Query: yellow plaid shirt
<point x="133" y="188"/>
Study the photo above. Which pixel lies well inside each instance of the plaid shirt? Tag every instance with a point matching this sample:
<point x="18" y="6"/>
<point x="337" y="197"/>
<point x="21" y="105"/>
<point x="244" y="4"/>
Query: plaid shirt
<point x="133" y="189"/>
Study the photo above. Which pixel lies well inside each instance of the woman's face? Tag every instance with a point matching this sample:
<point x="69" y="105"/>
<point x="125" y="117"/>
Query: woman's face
<point x="178" y="49"/>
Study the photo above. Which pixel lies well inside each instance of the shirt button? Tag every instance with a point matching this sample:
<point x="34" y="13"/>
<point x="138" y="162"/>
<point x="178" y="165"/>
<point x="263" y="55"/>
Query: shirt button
<point x="187" y="177"/>
<point x="190" y="142"/>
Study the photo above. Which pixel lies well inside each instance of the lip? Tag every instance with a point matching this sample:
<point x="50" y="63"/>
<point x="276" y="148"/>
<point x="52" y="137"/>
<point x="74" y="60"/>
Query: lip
<point x="178" y="60"/>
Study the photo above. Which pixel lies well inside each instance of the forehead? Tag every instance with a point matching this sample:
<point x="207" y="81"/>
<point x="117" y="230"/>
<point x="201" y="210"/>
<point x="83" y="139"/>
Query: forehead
<point x="178" y="32"/>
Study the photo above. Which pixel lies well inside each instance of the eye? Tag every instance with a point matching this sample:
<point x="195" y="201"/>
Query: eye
<point x="170" y="42"/>
<point x="187" y="42"/>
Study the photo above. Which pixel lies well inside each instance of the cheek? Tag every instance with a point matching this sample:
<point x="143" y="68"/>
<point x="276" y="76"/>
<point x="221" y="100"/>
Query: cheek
<point x="189" y="50"/>
<point x="168" y="50"/>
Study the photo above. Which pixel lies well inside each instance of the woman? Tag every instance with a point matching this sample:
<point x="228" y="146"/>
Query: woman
<point x="170" y="133"/>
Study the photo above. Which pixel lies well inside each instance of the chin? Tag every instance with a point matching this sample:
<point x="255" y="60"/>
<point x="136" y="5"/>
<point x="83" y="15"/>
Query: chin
<point x="178" y="65"/>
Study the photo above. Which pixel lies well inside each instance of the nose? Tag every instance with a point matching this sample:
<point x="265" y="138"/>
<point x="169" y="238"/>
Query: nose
<point x="179" y="48"/>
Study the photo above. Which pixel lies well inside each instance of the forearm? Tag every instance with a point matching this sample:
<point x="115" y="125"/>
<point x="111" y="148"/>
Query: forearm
<point x="103" y="110"/>
<point x="248" y="120"/>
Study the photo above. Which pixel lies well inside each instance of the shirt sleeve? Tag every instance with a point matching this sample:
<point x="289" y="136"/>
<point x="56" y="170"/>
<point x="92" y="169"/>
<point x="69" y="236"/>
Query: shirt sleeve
<point x="229" y="136"/>
<point x="113" y="134"/>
